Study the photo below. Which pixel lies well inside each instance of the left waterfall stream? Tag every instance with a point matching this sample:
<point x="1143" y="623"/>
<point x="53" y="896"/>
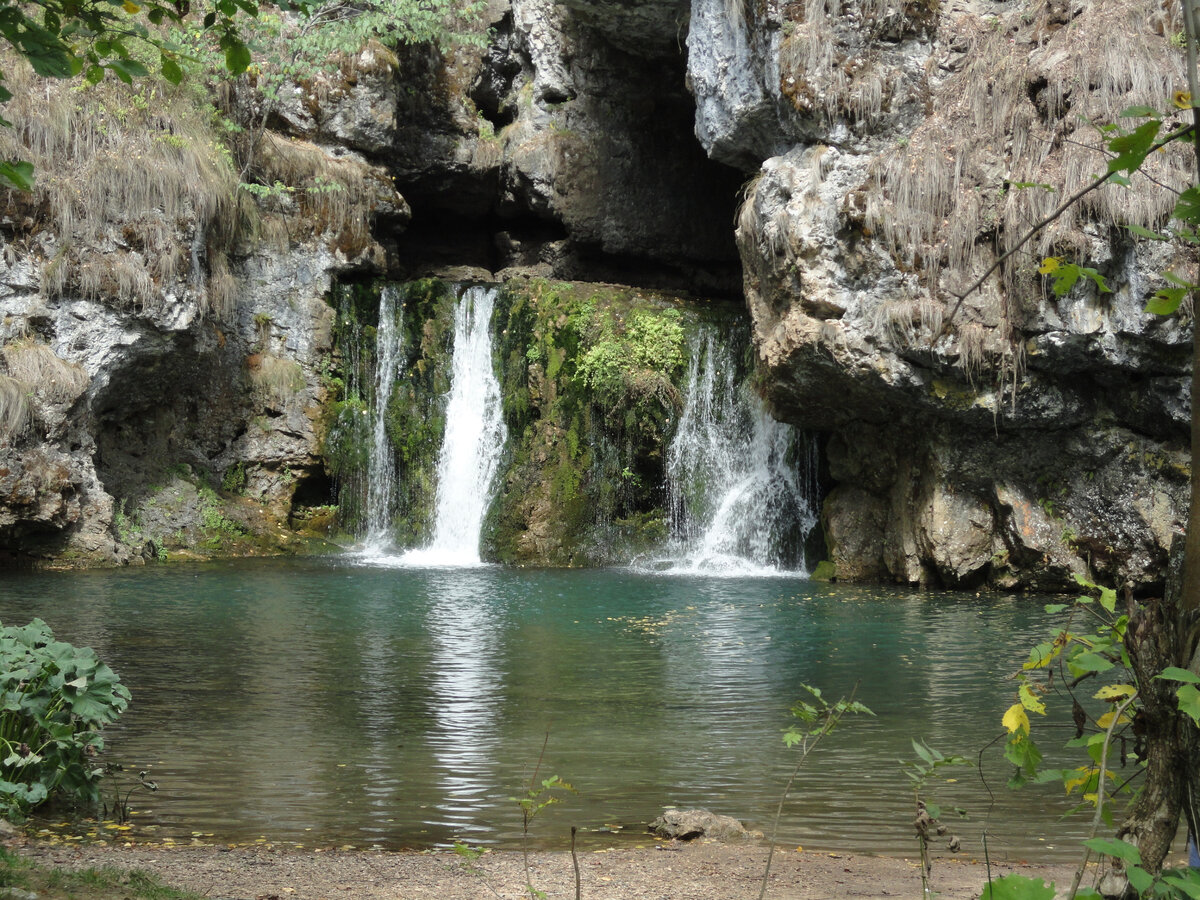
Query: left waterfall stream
<point x="472" y="444"/>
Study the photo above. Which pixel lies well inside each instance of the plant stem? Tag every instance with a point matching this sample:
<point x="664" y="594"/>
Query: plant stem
<point x="1096" y="819"/>
<point x="805" y="749"/>
<point x="575" y="863"/>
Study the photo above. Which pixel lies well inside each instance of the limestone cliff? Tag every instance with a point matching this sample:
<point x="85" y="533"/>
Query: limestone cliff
<point x="1035" y="437"/>
<point x="164" y="333"/>
<point x="168" y="368"/>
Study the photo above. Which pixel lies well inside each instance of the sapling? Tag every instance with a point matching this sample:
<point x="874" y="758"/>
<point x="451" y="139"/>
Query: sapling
<point x="927" y="824"/>
<point x="536" y="798"/>
<point x="815" y="719"/>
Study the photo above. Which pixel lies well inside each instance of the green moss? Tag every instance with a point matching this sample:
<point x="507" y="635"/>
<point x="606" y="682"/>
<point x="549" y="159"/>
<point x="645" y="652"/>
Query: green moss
<point x="825" y="571"/>
<point x="414" y="419"/>
<point x="590" y="384"/>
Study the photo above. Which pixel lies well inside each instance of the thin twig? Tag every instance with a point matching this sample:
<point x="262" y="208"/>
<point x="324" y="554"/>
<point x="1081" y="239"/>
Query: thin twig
<point x="1033" y="232"/>
<point x="1098" y="817"/>
<point x="805" y="749"/>
<point x="575" y="863"/>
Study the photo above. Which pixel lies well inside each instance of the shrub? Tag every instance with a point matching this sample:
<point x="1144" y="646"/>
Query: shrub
<point x="56" y="700"/>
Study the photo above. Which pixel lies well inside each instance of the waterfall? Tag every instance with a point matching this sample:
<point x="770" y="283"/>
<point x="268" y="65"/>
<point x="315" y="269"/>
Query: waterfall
<point x="741" y="486"/>
<point x="473" y="442"/>
<point x="381" y="463"/>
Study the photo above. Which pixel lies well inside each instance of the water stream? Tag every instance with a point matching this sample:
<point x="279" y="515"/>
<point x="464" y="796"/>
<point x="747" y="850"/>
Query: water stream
<point x="381" y="463"/>
<point x="474" y="440"/>
<point x="742" y="486"/>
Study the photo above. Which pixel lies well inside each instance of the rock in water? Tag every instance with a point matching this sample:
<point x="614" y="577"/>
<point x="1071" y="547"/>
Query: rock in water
<point x="689" y="824"/>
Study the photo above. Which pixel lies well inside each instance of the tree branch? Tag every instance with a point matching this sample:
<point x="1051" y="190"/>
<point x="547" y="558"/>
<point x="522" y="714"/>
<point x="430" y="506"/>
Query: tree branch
<point x="1035" y="229"/>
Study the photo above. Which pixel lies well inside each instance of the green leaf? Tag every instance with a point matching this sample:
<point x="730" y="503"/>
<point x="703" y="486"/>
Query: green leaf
<point x="1139" y="878"/>
<point x="1174" y="673"/>
<point x="1189" y="701"/>
<point x="1131" y="149"/>
<point x="237" y="58"/>
<point x="1122" y="850"/>
<point x="1166" y="301"/>
<point x="18" y="174"/>
<point x="1052" y="608"/>
<point x="1145" y="232"/>
<point x="1088" y="662"/>
<point x="1187" y="207"/>
<point x="128" y="69"/>
<point x="1108" y="597"/>
<point x="1018" y="887"/>
<point x="171" y="71"/>
<point x="1139" y="112"/>
<point x="1065" y="277"/>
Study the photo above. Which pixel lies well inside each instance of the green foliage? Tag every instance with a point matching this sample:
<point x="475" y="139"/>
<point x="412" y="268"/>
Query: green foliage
<point x="56" y="700"/>
<point x="68" y="38"/>
<point x="20" y="874"/>
<point x="588" y="379"/>
<point x="1017" y="887"/>
<point x="414" y="420"/>
<point x="929" y="764"/>
<point x="816" y="717"/>
<point x="1073" y="653"/>
<point x="234" y="479"/>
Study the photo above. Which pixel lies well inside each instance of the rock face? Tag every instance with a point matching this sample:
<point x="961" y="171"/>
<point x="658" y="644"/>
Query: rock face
<point x="164" y="337"/>
<point x="565" y="151"/>
<point x="1035" y="437"/>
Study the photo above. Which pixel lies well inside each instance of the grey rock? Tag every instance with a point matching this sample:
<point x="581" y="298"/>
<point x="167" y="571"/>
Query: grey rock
<point x="689" y="824"/>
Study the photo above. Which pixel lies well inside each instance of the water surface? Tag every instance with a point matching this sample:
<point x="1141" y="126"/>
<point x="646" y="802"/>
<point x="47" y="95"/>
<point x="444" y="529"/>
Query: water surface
<point x="328" y="702"/>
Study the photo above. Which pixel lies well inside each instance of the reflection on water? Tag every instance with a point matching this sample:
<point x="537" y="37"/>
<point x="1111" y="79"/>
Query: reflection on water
<point x="328" y="703"/>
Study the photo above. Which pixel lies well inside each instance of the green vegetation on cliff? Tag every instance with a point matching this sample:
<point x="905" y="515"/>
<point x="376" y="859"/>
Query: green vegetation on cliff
<point x="589" y="379"/>
<point x="415" y="416"/>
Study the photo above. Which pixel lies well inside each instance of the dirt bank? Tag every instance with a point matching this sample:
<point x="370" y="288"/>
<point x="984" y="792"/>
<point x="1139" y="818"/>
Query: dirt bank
<point x="696" y="871"/>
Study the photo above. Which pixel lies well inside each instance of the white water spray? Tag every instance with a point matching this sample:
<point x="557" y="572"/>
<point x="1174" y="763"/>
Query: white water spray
<point x="474" y="440"/>
<point x="381" y="464"/>
<point x="738" y="496"/>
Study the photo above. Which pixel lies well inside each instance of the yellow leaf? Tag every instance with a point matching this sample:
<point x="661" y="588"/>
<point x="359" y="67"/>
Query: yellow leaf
<point x="1077" y="782"/>
<point x="1030" y="701"/>
<point x="1115" y="692"/>
<point x="1182" y="99"/>
<point x="1049" y="265"/>
<point x="1016" y="719"/>
<point x="130" y="7"/>
<point x="1105" y="720"/>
